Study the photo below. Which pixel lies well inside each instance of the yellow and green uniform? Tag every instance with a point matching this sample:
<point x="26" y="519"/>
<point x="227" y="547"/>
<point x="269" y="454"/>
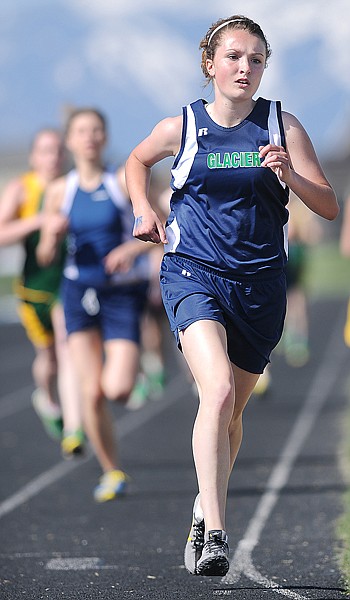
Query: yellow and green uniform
<point x="347" y="327"/>
<point x="38" y="287"/>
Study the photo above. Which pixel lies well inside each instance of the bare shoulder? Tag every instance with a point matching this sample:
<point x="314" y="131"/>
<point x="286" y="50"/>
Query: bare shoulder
<point x="58" y="184"/>
<point x="170" y="131"/>
<point x="171" y="126"/>
<point x="54" y="194"/>
<point x="120" y="176"/>
<point x="291" y="123"/>
<point x="301" y="150"/>
<point x="163" y="141"/>
<point x="297" y="138"/>
<point x="12" y="198"/>
<point x="14" y="190"/>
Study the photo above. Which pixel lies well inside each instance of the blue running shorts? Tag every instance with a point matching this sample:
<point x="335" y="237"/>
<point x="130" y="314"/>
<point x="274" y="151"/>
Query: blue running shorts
<point x="116" y="311"/>
<point x="251" y="310"/>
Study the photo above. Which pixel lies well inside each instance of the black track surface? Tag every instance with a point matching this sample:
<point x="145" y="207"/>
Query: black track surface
<point x="56" y="543"/>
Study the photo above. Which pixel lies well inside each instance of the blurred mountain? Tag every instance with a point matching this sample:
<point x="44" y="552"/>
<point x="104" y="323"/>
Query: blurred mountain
<point x="139" y="62"/>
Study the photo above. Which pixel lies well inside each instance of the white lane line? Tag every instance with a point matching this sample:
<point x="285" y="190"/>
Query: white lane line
<point x="15" y="401"/>
<point x="78" y="564"/>
<point x="126" y="425"/>
<point x="61" y="562"/>
<point x="321" y="387"/>
<point x="37" y="485"/>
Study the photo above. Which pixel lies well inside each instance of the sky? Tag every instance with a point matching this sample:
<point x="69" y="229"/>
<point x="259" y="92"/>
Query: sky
<point x="138" y="61"/>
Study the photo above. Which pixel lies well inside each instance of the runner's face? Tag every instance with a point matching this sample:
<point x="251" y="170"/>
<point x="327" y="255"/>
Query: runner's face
<point x="46" y="157"/>
<point x="86" y="137"/>
<point x="238" y="64"/>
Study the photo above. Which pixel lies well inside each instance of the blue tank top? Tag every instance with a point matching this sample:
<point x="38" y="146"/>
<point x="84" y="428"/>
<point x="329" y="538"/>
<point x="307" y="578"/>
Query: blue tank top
<point x="98" y="222"/>
<point x="227" y="211"/>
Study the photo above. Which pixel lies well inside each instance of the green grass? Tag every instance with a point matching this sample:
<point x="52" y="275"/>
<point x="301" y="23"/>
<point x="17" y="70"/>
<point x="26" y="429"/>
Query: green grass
<point x="328" y="276"/>
<point x="343" y="534"/>
<point x="6" y="285"/>
<point x="343" y="524"/>
<point x="327" y="273"/>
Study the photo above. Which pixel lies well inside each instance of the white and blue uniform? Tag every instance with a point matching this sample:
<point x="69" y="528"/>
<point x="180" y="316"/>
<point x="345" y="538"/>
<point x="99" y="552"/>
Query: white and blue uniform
<point x="227" y="232"/>
<point x="99" y="221"/>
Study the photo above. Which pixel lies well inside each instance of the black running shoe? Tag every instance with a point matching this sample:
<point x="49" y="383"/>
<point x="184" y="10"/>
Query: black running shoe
<point x="214" y="559"/>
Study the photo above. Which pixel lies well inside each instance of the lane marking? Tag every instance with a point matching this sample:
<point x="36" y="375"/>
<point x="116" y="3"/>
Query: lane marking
<point x="176" y="388"/>
<point x="77" y="564"/>
<point x="37" y="484"/>
<point x="322" y="384"/>
<point x="241" y="563"/>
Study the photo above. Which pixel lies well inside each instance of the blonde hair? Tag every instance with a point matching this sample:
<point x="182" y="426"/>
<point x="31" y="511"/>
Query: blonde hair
<point x="213" y="36"/>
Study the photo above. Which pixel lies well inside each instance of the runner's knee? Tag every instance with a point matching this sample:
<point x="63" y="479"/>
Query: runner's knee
<point x="218" y="398"/>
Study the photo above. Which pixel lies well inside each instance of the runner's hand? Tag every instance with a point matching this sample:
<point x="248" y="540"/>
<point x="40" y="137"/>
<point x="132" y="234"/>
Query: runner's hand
<point x="277" y="159"/>
<point x="149" y="228"/>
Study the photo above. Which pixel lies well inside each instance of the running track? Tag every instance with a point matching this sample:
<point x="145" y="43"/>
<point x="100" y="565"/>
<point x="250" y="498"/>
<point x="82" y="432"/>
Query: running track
<point x="284" y="497"/>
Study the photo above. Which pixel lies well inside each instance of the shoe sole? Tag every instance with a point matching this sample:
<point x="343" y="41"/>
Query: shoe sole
<point x="187" y="556"/>
<point x="213" y="567"/>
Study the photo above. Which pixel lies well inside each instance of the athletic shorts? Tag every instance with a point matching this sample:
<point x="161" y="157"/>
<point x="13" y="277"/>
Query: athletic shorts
<point x="36" y="320"/>
<point x="252" y="311"/>
<point x="116" y="311"/>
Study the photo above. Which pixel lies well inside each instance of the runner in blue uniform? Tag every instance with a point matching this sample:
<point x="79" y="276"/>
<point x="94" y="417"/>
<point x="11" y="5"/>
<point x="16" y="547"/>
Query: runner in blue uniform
<point x="222" y="276"/>
<point x="104" y="284"/>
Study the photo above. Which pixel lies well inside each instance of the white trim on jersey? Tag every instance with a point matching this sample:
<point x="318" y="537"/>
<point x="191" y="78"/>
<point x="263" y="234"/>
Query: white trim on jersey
<point x="109" y="181"/>
<point x="72" y="184"/>
<point x="273" y="125"/>
<point x="173" y="236"/>
<point x="274" y="129"/>
<point x="275" y="138"/>
<point x="285" y="239"/>
<point x="112" y="186"/>
<point x="183" y="167"/>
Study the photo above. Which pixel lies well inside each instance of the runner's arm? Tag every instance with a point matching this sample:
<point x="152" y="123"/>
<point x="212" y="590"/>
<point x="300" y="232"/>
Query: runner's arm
<point x="55" y="224"/>
<point x="14" y="229"/>
<point x="163" y="141"/>
<point x="298" y="167"/>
